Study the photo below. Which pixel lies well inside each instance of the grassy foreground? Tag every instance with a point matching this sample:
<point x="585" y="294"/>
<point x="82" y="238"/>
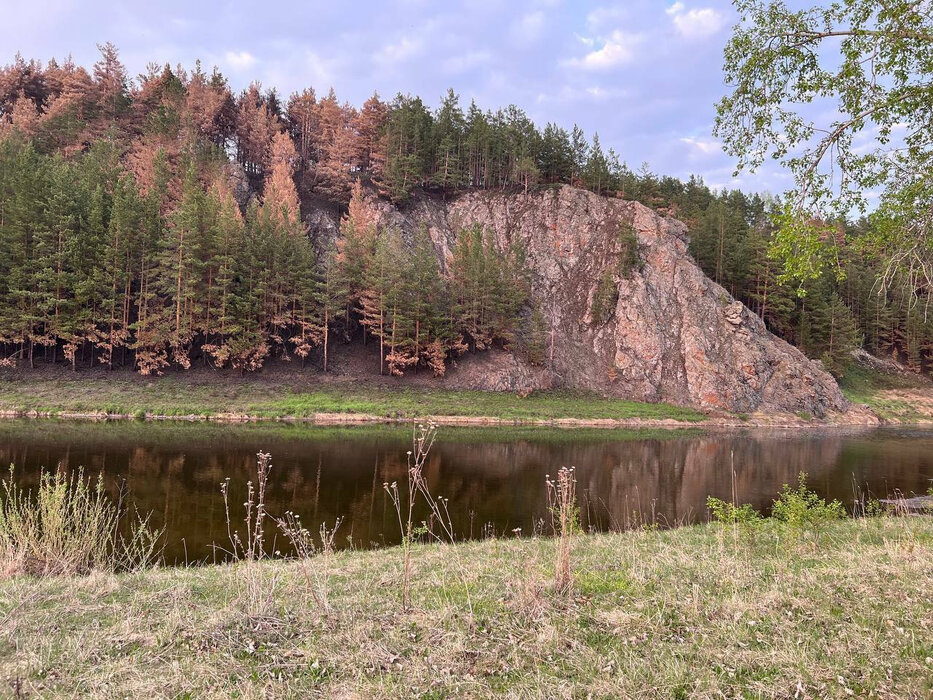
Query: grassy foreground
<point x="207" y="394"/>
<point x="709" y="611"/>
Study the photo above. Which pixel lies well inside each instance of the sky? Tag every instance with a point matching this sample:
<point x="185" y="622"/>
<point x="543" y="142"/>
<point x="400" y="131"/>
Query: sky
<point x="643" y="74"/>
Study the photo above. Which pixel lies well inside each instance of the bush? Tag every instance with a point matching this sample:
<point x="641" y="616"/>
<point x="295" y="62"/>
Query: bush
<point x="605" y="298"/>
<point x="801" y="507"/>
<point x="69" y="526"/>
<point x="725" y="512"/>
<point x="630" y="258"/>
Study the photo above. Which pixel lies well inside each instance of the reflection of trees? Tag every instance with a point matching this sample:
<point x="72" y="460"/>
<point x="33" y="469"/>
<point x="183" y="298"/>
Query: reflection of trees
<point x="501" y="482"/>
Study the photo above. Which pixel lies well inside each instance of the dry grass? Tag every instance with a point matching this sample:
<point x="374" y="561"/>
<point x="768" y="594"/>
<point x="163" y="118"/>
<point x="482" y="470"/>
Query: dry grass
<point x="69" y="525"/>
<point x="692" y="612"/>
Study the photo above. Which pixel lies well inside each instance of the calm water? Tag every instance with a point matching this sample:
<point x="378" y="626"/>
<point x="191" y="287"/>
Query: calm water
<point x="494" y="478"/>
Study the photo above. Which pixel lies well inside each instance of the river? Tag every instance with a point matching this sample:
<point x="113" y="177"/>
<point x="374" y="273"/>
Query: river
<point x="494" y="478"/>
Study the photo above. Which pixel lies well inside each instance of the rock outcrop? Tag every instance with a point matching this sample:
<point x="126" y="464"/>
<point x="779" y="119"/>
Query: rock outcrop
<point x="667" y="333"/>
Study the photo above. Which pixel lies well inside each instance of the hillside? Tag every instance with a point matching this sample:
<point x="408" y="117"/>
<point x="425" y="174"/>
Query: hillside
<point x="626" y="310"/>
<point x="165" y="223"/>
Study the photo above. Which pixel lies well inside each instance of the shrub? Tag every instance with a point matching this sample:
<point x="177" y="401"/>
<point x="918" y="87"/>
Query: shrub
<point x="534" y="338"/>
<point x="725" y="512"/>
<point x="629" y="258"/>
<point x="69" y="526"/>
<point x="604" y="298"/>
<point x="801" y="507"/>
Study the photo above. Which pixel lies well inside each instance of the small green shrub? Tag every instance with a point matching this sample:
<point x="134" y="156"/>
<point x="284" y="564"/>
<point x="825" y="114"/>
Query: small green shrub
<point x="872" y="508"/>
<point x="534" y="337"/>
<point x="629" y="257"/>
<point x="800" y="507"/>
<point x="725" y="512"/>
<point x="604" y="298"/>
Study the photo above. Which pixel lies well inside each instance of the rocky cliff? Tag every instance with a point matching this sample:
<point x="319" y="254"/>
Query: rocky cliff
<point x="655" y="330"/>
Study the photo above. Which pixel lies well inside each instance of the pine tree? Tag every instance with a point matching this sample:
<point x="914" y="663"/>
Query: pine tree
<point x="579" y="154"/>
<point x="368" y="126"/>
<point x="125" y="221"/>
<point x="228" y="238"/>
<point x="834" y="331"/>
<point x="111" y="83"/>
<point x="405" y="146"/>
<point x="379" y="292"/>
<point x="21" y="225"/>
<point x="447" y="139"/>
<point x="596" y="173"/>
<point x="331" y="293"/>
<point x="149" y="330"/>
<point x="424" y="305"/>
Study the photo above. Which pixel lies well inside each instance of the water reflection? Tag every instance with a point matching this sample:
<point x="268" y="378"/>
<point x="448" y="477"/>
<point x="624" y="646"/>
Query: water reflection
<point x="494" y="479"/>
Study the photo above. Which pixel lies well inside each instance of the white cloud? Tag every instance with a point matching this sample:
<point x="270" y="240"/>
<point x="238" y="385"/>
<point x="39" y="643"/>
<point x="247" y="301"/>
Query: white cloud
<point x="318" y="69"/>
<point x="240" y="60"/>
<point x="400" y="51"/>
<point x="599" y="92"/>
<point x="697" y="23"/>
<point x="619" y="48"/>
<point x="703" y="146"/>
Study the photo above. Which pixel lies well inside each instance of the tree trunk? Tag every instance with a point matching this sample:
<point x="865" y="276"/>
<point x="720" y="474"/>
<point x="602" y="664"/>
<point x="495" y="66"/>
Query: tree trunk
<point x="326" y="335"/>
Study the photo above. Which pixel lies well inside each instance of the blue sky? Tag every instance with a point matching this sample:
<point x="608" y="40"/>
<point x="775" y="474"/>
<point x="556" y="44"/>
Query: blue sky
<point x="644" y="74"/>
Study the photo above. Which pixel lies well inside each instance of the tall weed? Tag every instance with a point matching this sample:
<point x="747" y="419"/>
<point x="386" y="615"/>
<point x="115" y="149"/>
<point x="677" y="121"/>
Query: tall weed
<point x="562" y="504"/>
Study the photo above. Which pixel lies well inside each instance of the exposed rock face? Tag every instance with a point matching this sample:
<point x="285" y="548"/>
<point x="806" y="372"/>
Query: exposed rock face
<point x="674" y="335"/>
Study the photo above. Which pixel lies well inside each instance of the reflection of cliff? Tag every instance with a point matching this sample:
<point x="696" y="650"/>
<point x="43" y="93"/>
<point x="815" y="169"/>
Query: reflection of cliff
<point x="500" y="483"/>
<point x="673" y="479"/>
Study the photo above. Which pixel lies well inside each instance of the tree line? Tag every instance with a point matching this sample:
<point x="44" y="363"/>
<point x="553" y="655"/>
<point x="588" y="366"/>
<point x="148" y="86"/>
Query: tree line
<point x="94" y="270"/>
<point x="157" y="222"/>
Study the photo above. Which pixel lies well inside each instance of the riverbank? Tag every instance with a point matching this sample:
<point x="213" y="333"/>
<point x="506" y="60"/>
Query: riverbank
<point x="286" y="395"/>
<point x="297" y="396"/>
<point x="889" y="390"/>
<point x="845" y="610"/>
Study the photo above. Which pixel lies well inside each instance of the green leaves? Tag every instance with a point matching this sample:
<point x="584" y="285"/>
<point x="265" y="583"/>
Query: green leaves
<point x="802" y="245"/>
<point x="841" y="95"/>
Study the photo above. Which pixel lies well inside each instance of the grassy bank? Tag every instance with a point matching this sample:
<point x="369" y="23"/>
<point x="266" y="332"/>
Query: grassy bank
<point x="897" y="397"/>
<point x="845" y="610"/>
<point x="294" y="395"/>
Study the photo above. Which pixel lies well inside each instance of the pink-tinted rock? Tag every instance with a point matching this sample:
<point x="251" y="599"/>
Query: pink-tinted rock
<point x="674" y="334"/>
